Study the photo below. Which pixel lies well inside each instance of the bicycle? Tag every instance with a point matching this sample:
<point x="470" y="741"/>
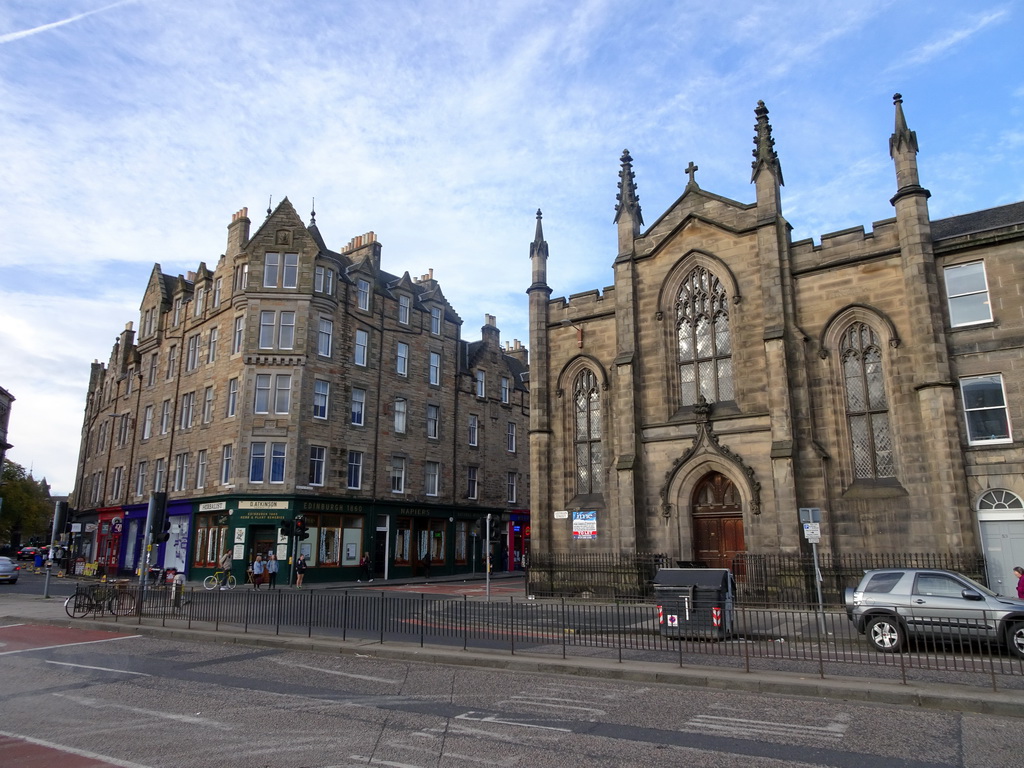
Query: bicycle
<point x="214" y="581"/>
<point x="99" y="598"/>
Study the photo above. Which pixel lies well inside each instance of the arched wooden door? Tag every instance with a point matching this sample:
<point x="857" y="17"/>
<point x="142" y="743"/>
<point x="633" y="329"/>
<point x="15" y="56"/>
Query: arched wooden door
<point x="717" y="521"/>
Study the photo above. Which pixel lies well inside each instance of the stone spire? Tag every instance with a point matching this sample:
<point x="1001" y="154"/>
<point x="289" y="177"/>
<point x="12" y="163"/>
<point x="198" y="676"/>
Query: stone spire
<point x="627" y="209"/>
<point x="764" y="146"/>
<point x="628" y="201"/>
<point x="903" y="151"/>
<point x="539" y="246"/>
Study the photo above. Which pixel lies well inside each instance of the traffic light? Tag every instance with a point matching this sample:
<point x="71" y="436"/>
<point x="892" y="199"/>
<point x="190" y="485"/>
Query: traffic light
<point x="161" y="523"/>
<point x="287" y="528"/>
<point x="300" y="528"/>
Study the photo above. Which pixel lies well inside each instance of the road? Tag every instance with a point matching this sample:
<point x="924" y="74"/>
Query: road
<point x="78" y="698"/>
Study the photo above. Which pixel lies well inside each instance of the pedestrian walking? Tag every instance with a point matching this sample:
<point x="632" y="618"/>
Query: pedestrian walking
<point x="271" y="568"/>
<point x="366" y="567"/>
<point x="1019" y="573"/>
<point x="257" y="572"/>
<point x="300" y="571"/>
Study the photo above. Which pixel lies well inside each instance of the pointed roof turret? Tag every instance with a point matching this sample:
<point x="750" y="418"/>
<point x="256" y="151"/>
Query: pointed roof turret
<point x="539" y="246"/>
<point x="628" y="201"/>
<point x="764" y="146"/>
<point x="902" y="137"/>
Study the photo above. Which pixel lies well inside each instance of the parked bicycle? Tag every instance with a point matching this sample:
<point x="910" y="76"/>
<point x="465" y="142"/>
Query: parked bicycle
<point x="99" y="598"/>
<point x="218" y="579"/>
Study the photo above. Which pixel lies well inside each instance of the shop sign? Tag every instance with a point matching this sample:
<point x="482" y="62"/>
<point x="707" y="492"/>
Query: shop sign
<point x="262" y="504"/>
<point x="213" y="506"/>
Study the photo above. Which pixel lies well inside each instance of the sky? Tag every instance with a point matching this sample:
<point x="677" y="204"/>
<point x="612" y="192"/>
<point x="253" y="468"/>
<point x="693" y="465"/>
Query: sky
<point x="131" y="131"/>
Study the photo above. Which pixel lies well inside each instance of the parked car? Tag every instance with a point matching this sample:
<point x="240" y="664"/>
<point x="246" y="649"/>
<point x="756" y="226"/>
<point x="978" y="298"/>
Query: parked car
<point x="891" y="605"/>
<point x="9" y="570"/>
<point x="28" y="553"/>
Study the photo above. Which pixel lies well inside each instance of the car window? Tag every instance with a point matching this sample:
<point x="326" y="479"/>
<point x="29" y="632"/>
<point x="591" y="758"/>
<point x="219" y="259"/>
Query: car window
<point x="883" y="582"/>
<point x="936" y="585"/>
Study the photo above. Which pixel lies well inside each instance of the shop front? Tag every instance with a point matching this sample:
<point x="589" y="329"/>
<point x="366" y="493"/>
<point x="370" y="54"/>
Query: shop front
<point x="109" y="529"/>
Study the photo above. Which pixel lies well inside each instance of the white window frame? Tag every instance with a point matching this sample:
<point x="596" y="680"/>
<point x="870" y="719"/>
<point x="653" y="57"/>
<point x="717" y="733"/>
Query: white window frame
<point x="147" y="423"/>
<point x="967" y="291"/>
<point x="271" y="270"/>
<point x="208" y="405"/>
<point x="181" y="471"/>
<point x="432" y="479"/>
<point x="211" y="346"/>
<point x="435" y="369"/>
<point x="355" y="470"/>
<point x="363" y="294"/>
<point x="472" y="483"/>
<point x="325" y="337"/>
<point x="398" y="467"/>
<point x="481" y="383"/>
<point x="321" y="398"/>
<point x="402" y="359"/>
<point x="165" y="417"/>
<point x="401" y="407"/>
<point x="511" y="487"/>
<point x="358" y="407"/>
<point x="238" y="337"/>
<point x="505" y="389"/>
<point x="433" y="421"/>
<point x="227" y="460"/>
<point x="159" y="472"/>
<point x="435" y="321"/>
<point x="290" y="271"/>
<point x="317" y="464"/>
<point x="257" y="462"/>
<point x="282" y="393"/>
<point x="140" y="478"/>
<point x="232" y="404"/>
<point x="278" y="462"/>
<point x="404" y="308"/>
<point x="510" y="437"/>
<point x="973" y="408"/>
<point x="188" y="407"/>
<point x="474" y="429"/>
<point x="201" y="462"/>
<point x="361" y="352"/>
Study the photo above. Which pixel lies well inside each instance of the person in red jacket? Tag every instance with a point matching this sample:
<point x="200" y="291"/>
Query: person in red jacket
<point x="1019" y="573"/>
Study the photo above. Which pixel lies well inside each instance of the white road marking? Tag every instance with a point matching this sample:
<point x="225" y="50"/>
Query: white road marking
<point x="101" y="669"/>
<point x="189" y="719"/>
<point x="736" y="726"/>
<point x="551" y="703"/>
<point x="69" y="645"/>
<point x="73" y="750"/>
<point x="492" y="719"/>
<point x="366" y="760"/>
<point x="340" y="674"/>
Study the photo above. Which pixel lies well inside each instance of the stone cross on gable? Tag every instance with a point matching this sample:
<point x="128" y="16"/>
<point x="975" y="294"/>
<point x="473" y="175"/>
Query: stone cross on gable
<point x="691" y="169"/>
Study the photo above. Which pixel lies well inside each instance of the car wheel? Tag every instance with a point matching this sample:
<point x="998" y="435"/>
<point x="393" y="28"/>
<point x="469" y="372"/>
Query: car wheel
<point x="885" y="633"/>
<point x="1015" y="639"/>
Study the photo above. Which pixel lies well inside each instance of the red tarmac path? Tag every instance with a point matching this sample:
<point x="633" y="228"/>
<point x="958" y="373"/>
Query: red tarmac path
<point x="24" y="752"/>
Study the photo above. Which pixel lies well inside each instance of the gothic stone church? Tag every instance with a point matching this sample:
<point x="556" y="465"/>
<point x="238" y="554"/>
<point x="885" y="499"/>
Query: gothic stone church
<point x="731" y="376"/>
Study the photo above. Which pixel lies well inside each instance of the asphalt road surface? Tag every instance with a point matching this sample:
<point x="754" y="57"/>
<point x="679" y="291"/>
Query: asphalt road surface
<point x="77" y="698"/>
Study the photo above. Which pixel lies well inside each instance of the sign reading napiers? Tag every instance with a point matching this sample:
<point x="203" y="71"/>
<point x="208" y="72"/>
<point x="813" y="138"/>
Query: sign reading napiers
<point x="584" y="524"/>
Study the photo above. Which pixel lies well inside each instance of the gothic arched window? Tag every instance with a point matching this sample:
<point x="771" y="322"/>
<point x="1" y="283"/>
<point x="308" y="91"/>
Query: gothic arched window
<point x="867" y="409"/>
<point x="703" y="339"/>
<point x="586" y="402"/>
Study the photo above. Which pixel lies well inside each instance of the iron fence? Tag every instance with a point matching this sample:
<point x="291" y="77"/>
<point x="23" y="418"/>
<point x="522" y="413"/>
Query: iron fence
<point x="822" y="642"/>
<point x="782" y="579"/>
<point x="762" y="579"/>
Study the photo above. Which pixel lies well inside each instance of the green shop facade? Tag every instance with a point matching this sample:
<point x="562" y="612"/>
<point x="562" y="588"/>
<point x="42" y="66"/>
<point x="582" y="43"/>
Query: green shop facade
<point x="402" y="540"/>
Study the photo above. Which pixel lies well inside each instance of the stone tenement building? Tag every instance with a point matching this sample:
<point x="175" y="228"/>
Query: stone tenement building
<point x="293" y="381"/>
<point x="731" y="377"/>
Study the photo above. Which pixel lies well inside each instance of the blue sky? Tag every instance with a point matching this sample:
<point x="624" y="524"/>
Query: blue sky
<point x="133" y="130"/>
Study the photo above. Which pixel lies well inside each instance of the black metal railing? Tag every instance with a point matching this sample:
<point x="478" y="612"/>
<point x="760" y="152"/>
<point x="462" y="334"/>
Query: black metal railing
<point x="591" y="575"/>
<point x="824" y="642"/>
<point x="782" y="579"/>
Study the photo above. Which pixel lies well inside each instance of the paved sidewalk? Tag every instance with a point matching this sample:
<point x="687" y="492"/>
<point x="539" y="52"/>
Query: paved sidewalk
<point x="16" y="608"/>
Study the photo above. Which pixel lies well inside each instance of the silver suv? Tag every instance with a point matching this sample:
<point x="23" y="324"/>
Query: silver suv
<point x="891" y="604"/>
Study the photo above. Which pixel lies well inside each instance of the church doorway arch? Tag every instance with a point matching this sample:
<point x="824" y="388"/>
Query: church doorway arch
<point x="717" y="513"/>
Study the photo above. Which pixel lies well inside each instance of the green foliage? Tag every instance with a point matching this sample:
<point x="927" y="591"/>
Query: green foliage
<point x="27" y="509"/>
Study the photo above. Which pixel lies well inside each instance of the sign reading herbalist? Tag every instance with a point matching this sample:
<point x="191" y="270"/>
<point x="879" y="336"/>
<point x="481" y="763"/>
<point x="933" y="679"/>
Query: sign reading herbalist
<point x="584" y="524"/>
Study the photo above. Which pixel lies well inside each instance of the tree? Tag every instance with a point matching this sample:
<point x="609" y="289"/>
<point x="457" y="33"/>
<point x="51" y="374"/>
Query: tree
<point x="27" y="509"/>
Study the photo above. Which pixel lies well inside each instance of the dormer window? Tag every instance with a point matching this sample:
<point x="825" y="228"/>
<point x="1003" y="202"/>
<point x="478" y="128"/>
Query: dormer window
<point x="435" y="321"/>
<point x="404" y="309"/>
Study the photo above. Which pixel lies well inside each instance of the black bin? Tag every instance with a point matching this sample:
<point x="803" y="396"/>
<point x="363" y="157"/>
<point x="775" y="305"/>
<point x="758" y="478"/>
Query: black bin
<point x="694" y="602"/>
